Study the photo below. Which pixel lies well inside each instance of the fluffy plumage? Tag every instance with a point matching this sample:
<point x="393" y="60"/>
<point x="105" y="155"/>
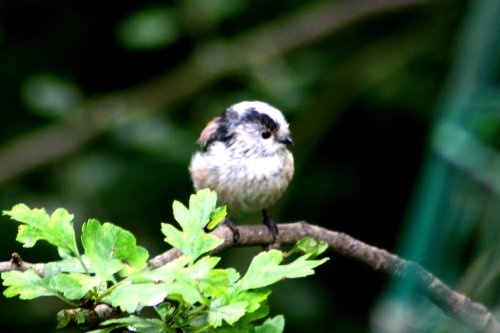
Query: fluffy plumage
<point x="244" y="157"/>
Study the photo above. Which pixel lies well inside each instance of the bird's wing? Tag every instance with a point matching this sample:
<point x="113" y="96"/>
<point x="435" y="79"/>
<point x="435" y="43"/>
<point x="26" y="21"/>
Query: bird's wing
<point x="209" y="133"/>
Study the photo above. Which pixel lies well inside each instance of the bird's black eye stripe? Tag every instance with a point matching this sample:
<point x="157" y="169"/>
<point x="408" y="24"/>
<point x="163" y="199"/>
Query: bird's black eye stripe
<point x="252" y="115"/>
<point x="229" y="119"/>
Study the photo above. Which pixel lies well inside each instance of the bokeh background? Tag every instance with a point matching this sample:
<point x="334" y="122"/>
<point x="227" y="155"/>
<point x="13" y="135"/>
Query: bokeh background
<point x="393" y="105"/>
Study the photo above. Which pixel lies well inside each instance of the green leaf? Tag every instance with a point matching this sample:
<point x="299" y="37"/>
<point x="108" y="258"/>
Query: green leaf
<point x="29" y="285"/>
<point x="309" y="245"/>
<point x="230" y="313"/>
<point x="111" y="249"/>
<point x="26" y="285"/>
<point x="265" y="269"/>
<point x="239" y="327"/>
<point x="57" y="229"/>
<point x="144" y="325"/>
<point x="254" y="298"/>
<point x="261" y="312"/>
<point x="192" y="281"/>
<point x="201" y="206"/>
<point x="73" y="286"/>
<point x="131" y="297"/>
<point x="67" y="265"/>
<point x="215" y="283"/>
<point x="274" y="325"/>
<point x="193" y="241"/>
<point x="199" y="270"/>
<point x="209" y="281"/>
<point x="175" y="237"/>
<point x="200" y="212"/>
<point x="188" y="290"/>
<point x="217" y="217"/>
<point x="192" y="244"/>
<point x="178" y="279"/>
<point x="181" y="215"/>
<point x="167" y="272"/>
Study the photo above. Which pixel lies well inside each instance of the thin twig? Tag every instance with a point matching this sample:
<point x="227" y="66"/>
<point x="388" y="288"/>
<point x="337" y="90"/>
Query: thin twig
<point x="16" y="263"/>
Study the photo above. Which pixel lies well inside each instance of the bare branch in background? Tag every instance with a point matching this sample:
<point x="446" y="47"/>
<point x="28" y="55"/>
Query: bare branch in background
<point x="207" y="64"/>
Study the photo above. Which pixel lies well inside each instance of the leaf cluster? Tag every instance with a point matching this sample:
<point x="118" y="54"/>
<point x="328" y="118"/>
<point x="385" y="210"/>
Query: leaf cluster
<point x="189" y="294"/>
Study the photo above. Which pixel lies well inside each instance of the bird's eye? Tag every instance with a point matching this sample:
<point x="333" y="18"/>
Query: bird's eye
<point x="266" y="134"/>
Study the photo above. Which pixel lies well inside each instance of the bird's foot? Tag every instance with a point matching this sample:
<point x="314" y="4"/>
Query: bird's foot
<point x="271" y="225"/>
<point x="234" y="229"/>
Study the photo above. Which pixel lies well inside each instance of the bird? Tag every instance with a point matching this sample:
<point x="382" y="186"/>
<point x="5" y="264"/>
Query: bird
<point x="245" y="159"/>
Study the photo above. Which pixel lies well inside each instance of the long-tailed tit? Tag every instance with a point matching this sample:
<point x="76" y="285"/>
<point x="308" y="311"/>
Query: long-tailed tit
<point x="245" y="159"/>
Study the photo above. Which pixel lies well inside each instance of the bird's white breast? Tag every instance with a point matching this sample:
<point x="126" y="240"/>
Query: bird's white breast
<point x="243" y="184"/>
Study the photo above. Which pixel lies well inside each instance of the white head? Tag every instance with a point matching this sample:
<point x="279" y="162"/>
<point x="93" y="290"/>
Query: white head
<point x="249" y="127"/>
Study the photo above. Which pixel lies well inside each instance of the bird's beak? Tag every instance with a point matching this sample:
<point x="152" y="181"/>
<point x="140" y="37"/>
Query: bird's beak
<point x="287" y="140"/>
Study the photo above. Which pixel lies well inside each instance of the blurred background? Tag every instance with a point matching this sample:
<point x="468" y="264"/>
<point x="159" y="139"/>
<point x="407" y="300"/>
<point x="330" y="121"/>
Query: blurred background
<point x="393" y="105"/>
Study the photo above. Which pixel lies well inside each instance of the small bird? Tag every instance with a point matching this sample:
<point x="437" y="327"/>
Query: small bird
<point x="245" y="160"/>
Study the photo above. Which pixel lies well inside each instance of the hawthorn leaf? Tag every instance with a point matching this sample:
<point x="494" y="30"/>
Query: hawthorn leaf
<point x="131" y="297"/>
<point x="181" y="215"/>
<point x="209" y="281"/>
<point x="134" y="323"/>
<point x="26" y="285"/>
<point x="217" y="217"/>
<point x="309" y="245"/>
<point x="193" y="243"/>
<point x="73" y="286"/>
<point x="188" y="290"/>
<point x="167" y="272"/>
<point x="57" y="229"/>
<point x="230" y="313"/>
<point x="178" y="279"/>
<point x="274" y="325"/>
<point x="241" y="326"/>
<point x="111" y="249"/>
<point x="67" y="265"/>
<point x="199" y="270"/>
<point x="261" y="312"/>
<point x="254" y="298"/>
<point x="175" y="237"/>
<point x="215" y="283"/>
<point x="265" y="269"/>
<point x="201" y="206"/>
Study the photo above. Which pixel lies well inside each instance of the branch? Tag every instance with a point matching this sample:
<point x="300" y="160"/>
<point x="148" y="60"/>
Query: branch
<point x="207" y="64"/>
<point x="17" y="264"/>
<point x="471" y="314"/>
<point x="93" y="317"/>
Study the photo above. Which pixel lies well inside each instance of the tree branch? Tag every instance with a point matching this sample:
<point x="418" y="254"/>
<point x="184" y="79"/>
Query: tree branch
<point x="208" y="63"/>
<point x="17" y="264"/>
<point x="458" y="306"/>
<point x="471" y="314"/>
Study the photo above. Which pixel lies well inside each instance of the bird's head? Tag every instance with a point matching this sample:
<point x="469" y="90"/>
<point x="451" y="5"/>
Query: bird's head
<point x="249" y="127"/>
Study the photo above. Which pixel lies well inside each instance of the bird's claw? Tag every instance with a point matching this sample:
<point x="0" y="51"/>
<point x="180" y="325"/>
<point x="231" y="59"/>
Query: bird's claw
<point x="271" y="225"/>
<point x="234" y="229"/>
